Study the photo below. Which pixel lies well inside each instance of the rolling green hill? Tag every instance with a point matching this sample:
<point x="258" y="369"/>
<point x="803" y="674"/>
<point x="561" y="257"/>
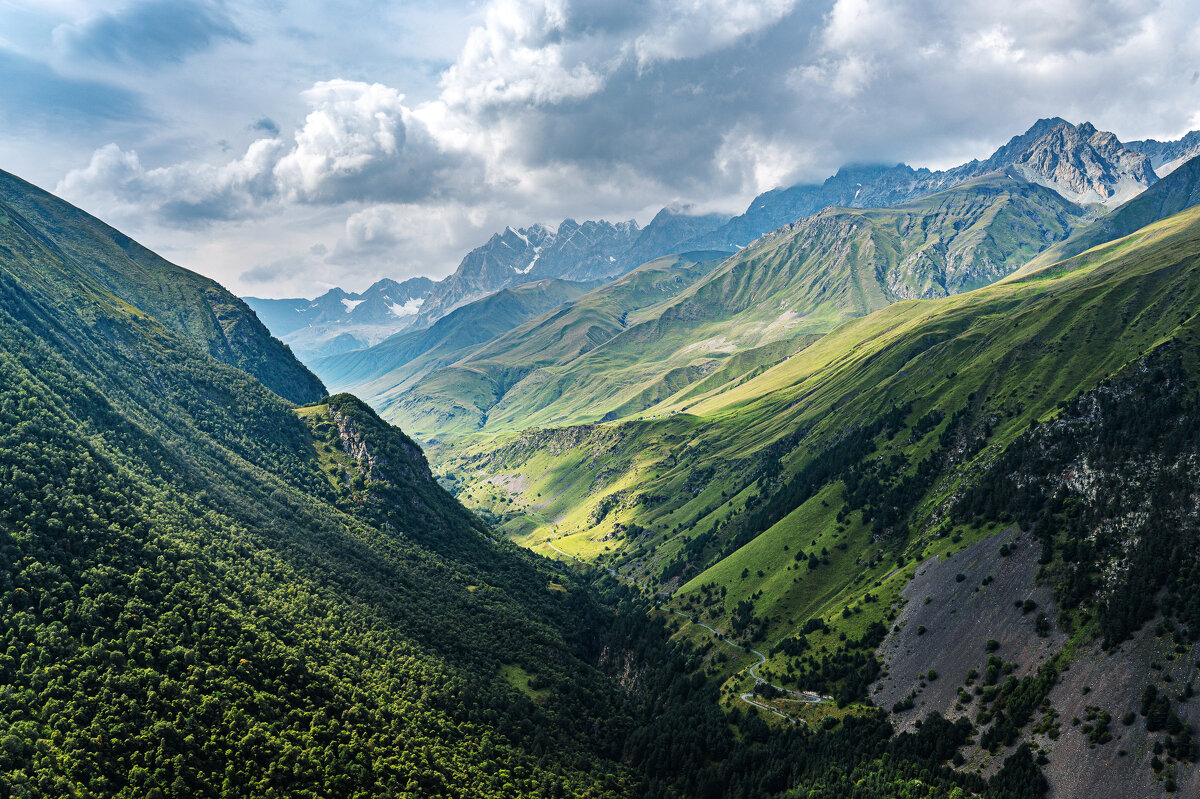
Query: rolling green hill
<point x="756" y="308"/>
<point x="410" y="355"/>
<point x="187" y="303"/>
<point x="793" y="509"/>
<point x="206" y="591"/>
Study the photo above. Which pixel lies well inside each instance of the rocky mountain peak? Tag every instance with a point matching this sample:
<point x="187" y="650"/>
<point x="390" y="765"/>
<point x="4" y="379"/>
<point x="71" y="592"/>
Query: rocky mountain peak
<point x="1167" y="156"/>
<point x="1083" y="164"/>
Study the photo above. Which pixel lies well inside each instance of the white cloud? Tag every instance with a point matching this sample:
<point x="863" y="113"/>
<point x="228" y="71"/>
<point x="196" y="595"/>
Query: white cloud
<point x="583" y="108"/>
<point x="358" y="143"/>
<point x="518" y="56"/>
<point x="699" y="27"/>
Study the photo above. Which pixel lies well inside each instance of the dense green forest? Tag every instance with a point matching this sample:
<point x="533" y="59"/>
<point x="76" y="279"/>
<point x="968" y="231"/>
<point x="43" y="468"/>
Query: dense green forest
<point x="206" y="591"/>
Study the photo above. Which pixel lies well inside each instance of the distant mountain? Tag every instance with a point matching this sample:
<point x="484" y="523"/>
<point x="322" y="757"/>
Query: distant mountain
<point x="457" y="397"/>
<point x="1167" y="156"/>
<point x="742" y="314"/>
<point x="339" y="321"/>
<point x="189" y="304"/>
<point x="666" y="233"/>
<point x="1079" y="162"/>
<point x="417" y="352"/>
<point x="572" y="251"/>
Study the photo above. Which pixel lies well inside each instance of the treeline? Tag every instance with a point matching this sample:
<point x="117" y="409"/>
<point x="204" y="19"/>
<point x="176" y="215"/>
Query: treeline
<point x="1112" y="478"/>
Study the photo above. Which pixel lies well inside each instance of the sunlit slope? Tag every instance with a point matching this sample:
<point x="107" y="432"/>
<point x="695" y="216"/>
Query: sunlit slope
<point x="752" y="310"/>
<point x="1002" y="356"/>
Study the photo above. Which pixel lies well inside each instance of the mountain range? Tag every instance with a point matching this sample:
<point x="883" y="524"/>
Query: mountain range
<point x="728" y="318"/>
<point x="339" y="322"/>
<point x="1083" y="164"/>
<point x="893" y="498"/>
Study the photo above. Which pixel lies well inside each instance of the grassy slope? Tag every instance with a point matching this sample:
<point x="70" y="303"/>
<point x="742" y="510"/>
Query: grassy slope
<point x="188" y="303"/>
<point x="1010" y="352"/>
<point x="407" y="356"/>
<point x="754" y="309"/>
<point x="458" y="398"/>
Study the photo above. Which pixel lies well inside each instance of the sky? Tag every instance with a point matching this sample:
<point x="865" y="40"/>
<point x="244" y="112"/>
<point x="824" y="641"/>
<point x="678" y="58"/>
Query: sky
<point x="283" y="147"/>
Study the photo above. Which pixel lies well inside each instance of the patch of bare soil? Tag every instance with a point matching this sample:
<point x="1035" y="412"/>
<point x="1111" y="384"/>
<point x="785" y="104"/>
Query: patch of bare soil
<point x="1114" y="682"/>
<point x="949" y="632"/>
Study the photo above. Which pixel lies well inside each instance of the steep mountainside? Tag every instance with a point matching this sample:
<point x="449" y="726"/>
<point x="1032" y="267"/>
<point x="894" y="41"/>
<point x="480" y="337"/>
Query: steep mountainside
<point x="754" y="309"/>
<point x="187" y="303"/>
<point x="792" y="509"/>
<point x="572" y="251"/>
<point x="1174" y="193"/>
<point x="447" y="339"/>
<point x="338" y="322"/>
<point x="208" y="592"/>
<point x="1079" y="162"/>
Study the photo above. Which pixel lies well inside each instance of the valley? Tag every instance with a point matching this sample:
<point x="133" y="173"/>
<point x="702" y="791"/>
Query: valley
<point x="893" y="498"/>
<point x="802" y="503"/>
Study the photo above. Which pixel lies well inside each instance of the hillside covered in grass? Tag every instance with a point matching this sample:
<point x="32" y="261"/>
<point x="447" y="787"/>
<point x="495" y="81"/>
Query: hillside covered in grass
<point x="740" y="316"/>
<point x="790" y="510"/>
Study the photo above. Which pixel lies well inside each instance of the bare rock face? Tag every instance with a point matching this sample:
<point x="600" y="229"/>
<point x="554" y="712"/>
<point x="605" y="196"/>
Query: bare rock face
<point x="574" y="251"/>
<point x="1086" y="165"/>
<point x="1167" y="156"/>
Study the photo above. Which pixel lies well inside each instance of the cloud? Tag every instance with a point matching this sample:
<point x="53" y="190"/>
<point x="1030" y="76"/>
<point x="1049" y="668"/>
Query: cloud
<point x="265" y="125"/>
<point x="588" y="108"/>
<point x="693" y="29"/>
<point x="410" y="239"/>
<point x="181" y="195"/>
<point x="359" y="143"/>
<point x="149" y="33"/>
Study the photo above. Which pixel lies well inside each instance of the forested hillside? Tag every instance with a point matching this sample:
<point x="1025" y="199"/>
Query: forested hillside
<point x="207" y="591"/>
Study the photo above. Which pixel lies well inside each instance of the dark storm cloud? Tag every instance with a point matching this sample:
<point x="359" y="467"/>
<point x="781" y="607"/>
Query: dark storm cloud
<point x="150" y="33"/>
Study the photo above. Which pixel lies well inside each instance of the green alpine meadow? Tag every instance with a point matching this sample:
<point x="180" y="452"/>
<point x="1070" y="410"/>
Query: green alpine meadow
<point x="493" y="399"/>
